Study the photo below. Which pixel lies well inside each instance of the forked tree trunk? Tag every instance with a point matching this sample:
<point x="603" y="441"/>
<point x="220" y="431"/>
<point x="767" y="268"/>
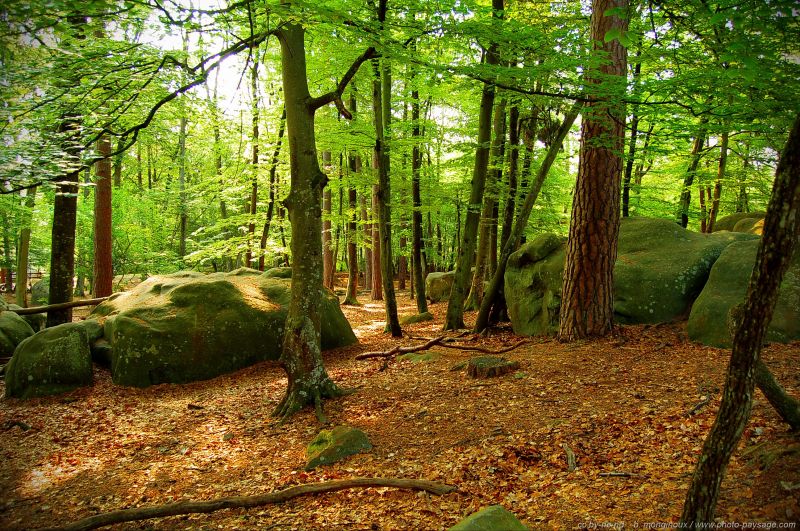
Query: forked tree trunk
<point x="103" y="263"/>
<point x="691" y="171"/>
<point x="455" y="305"/>
<point x="751" y="319"/>
<point x="587" y="303"/>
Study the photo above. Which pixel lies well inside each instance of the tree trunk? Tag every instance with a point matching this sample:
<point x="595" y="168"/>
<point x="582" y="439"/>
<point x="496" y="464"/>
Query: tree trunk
<point x="691" y="171"/>
<point x="24" y="250"/>
<point x="723" y="161"/>
<point x="416" y="197"/>
<point x="513" y="165"/>
<point x="521" y="222"/>
<point x="786" y="406"/>
<point x="703" y="211"/>
<point x="103" y="262"/>
<point x="327" y="213"/>
<point x="488" y="221"/>
<point x="751" y="319"/>
<point x="587" y="303"/>
<point x="182" y="186"/>
<point x="381" y="106"/>
<point x="626" y="180"/>
<point x="455" y="305"/>
<point x="367" y="240"/>
<point x="62" y="253"/>
<point x="251" y="225"/>
<point x="273" y="169"/>
<point x="301" y="357"/>
<point x="377" y="278"/>
<point x="352" y="251"/>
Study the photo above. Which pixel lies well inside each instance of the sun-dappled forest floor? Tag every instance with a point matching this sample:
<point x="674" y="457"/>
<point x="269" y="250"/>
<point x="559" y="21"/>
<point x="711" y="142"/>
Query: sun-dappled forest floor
<point x="634" y="409"/>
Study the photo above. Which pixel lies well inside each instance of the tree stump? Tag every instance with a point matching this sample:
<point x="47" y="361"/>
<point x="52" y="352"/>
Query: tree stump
<point x="490" y="366"/>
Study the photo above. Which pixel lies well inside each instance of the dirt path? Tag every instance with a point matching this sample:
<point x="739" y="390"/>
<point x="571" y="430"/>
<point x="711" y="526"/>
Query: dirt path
<point x="620" y="404"/>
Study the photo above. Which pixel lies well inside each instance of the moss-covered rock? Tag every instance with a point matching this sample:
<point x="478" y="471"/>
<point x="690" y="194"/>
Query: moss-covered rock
<point x="188" y="326"/>
<point x="53" y="361"/>
<point x="660" y="269"/>
<point x="331" y="446"/>
<point x="278" y="272"/>
<point x="40" y="292"/>
<point x="750" y="226"/>
<point x="493" y="518"/>
<point x="729" y="222"/>
<point x="726" y="288"/>
<point x="416" y="318"/>
<point x="438" y="285"/>
<point x="36" y="320"/>
<point x="13" y="330"/>
<point x="490" y="366"/>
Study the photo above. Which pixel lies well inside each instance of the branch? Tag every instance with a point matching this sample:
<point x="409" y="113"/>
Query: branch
<point x="335" y="96"/>
<point x="192" y="507"/>
<point x="59" y="306"/>
<point x="433" y="342"/>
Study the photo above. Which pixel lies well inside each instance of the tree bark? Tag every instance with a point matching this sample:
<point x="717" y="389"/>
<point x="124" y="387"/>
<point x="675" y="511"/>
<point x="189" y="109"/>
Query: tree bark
<point x="751" y="319"/>
<point x="183" y="210"/>
<point x="365" y="220"/>
<point x="251" y="225"/>
<point x="103" y="261"/>
<point x="455" y="305"/>
<point x="327" y="213"/>
<point x="691" y="171"/>
<point x="587" y="304"/>
<point x="377" y="279"/>
<point x="65" y="204"/>
<point x="416" y="197"/>
<point x="352" y="251"/>
<point x="513" y="170"/>
<point x="786" y="406"/>
<point x="626" y="180"/>
<point x="273" y="170"/>
<point x="723" y="161"/>
<point x="24" y="250"/>
<point x="521" y="222"/>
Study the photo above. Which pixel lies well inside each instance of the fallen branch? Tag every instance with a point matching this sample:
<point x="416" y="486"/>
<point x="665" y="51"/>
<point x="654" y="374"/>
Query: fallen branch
<point x="440" y="341"/>
<point x="400" y="350"/>
<point x="191" y="507"/>
<point x="700" y="405"/>
<point x="59" y="306"/>
<point x="618" y="475"/>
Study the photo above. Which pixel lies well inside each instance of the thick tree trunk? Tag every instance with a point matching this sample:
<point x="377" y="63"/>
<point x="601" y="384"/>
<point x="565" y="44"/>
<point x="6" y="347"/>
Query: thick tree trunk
<point x="103" y="263"/>
<point x="24" y="250"/>
<point x="308" y="381"/>
<point x="62" y="253"/>
<point x="781" y="230"/>
<point x="587" y="303"/>
<point x="786" y="406"/>
<point x="455" y="305"/>
<point x="381" y="106"/>
<point x="496" y="284"/>
<point x="513" y="165"/>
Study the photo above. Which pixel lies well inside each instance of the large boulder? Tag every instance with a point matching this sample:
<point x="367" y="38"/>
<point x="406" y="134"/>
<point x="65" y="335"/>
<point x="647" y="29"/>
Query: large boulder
<point x="36" y="320"/>
<point x="660" y="269"/>
<point x="52" y="361"/>
<point x="189" y="326"/>
<point x="40" y="292"/>
<point x="438" y="285"/>
<point x="731" y="221"/>
<point x="13" y="330"/>
<point x="279" y="272"/>
<point x="492" y="518"/>
<point x="726" y="288"/>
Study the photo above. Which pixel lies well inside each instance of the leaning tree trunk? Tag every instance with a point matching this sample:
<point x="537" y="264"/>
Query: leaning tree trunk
<point x="455" y="305"/>
<point x="587" y="303"/>
<point x="103" y="278"/>
<point x="781" y="231"/>
<point x="511" y="244"/>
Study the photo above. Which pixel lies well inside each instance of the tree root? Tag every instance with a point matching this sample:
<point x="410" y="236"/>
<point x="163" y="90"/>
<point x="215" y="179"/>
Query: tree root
<point x="193" y="507"/>
<point x="440" y="341"/>
<point x="299" y="396"/>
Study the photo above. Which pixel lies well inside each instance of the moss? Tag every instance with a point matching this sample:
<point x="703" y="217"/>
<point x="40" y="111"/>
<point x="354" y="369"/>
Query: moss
<point x="417" y="318"/>
<point x="492" y="518"/>
<point x="331" y="446"/>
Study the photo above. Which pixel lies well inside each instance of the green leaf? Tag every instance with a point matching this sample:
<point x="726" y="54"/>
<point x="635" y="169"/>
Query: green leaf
<point x="613" y="33"/>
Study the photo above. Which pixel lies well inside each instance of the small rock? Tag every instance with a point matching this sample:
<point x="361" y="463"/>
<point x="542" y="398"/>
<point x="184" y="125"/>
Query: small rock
<point x="492" y="518"/>
<point x="490" y="366"/>
<point x="331" y="446"/>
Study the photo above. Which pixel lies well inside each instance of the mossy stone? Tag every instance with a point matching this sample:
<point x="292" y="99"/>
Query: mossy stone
<point x="490" y="366"/>
<point x="730" y="221"/>
<point x="331" y="446"/>
<point x="438" y="285"/>
<point x="13" y="330"/>
<point x="492" y="518"/>
<point x="36" y="320"/>
<point x="278" y="272"/>
<point x="726" y="288"/>
<point x="40" y="292"/>
<point x="53" y="361"/>
<point x="416" y="318"/>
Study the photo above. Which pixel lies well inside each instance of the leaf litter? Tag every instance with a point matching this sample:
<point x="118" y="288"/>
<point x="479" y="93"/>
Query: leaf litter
<point x="632" y="409"/>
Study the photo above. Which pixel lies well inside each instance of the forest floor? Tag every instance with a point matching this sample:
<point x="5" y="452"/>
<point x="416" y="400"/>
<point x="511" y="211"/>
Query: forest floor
<point x="634" y="408"/>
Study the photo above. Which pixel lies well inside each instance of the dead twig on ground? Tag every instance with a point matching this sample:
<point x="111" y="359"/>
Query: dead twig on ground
<point x="437" y="341"/>
<point x="193" y="507"/>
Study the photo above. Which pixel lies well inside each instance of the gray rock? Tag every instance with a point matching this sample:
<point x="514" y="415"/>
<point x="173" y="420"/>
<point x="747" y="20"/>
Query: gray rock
<point x="188" y="326"/>
<point x="40" y="292"/>
<point x="36" y="320"/>
<point x="493" y="518"/>
<point x="53" y="361"/>
<point x="331" y="446"/>
<point x="13" y="330"/>
<point x="726" y="288"/>
<point x="438" y="285"/>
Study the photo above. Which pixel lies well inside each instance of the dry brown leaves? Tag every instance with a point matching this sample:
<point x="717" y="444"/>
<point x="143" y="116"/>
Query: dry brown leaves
<point x="620" y="404"/>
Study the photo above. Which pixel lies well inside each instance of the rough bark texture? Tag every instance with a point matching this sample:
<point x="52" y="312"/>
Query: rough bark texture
<point x="518" y="228"/>
<point x="24" y="250"/>
<point x="103" y="264"/>
<point x="327" y="240"/>
<point x="308" y="381"/>
<point x="62" y="254"/>
<point x="416" y="216"/>
<point x="377" y="279"/>
<point x="587" y="306"/>
<point x="464" y="261"/>
<point x="781" y="230"/>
